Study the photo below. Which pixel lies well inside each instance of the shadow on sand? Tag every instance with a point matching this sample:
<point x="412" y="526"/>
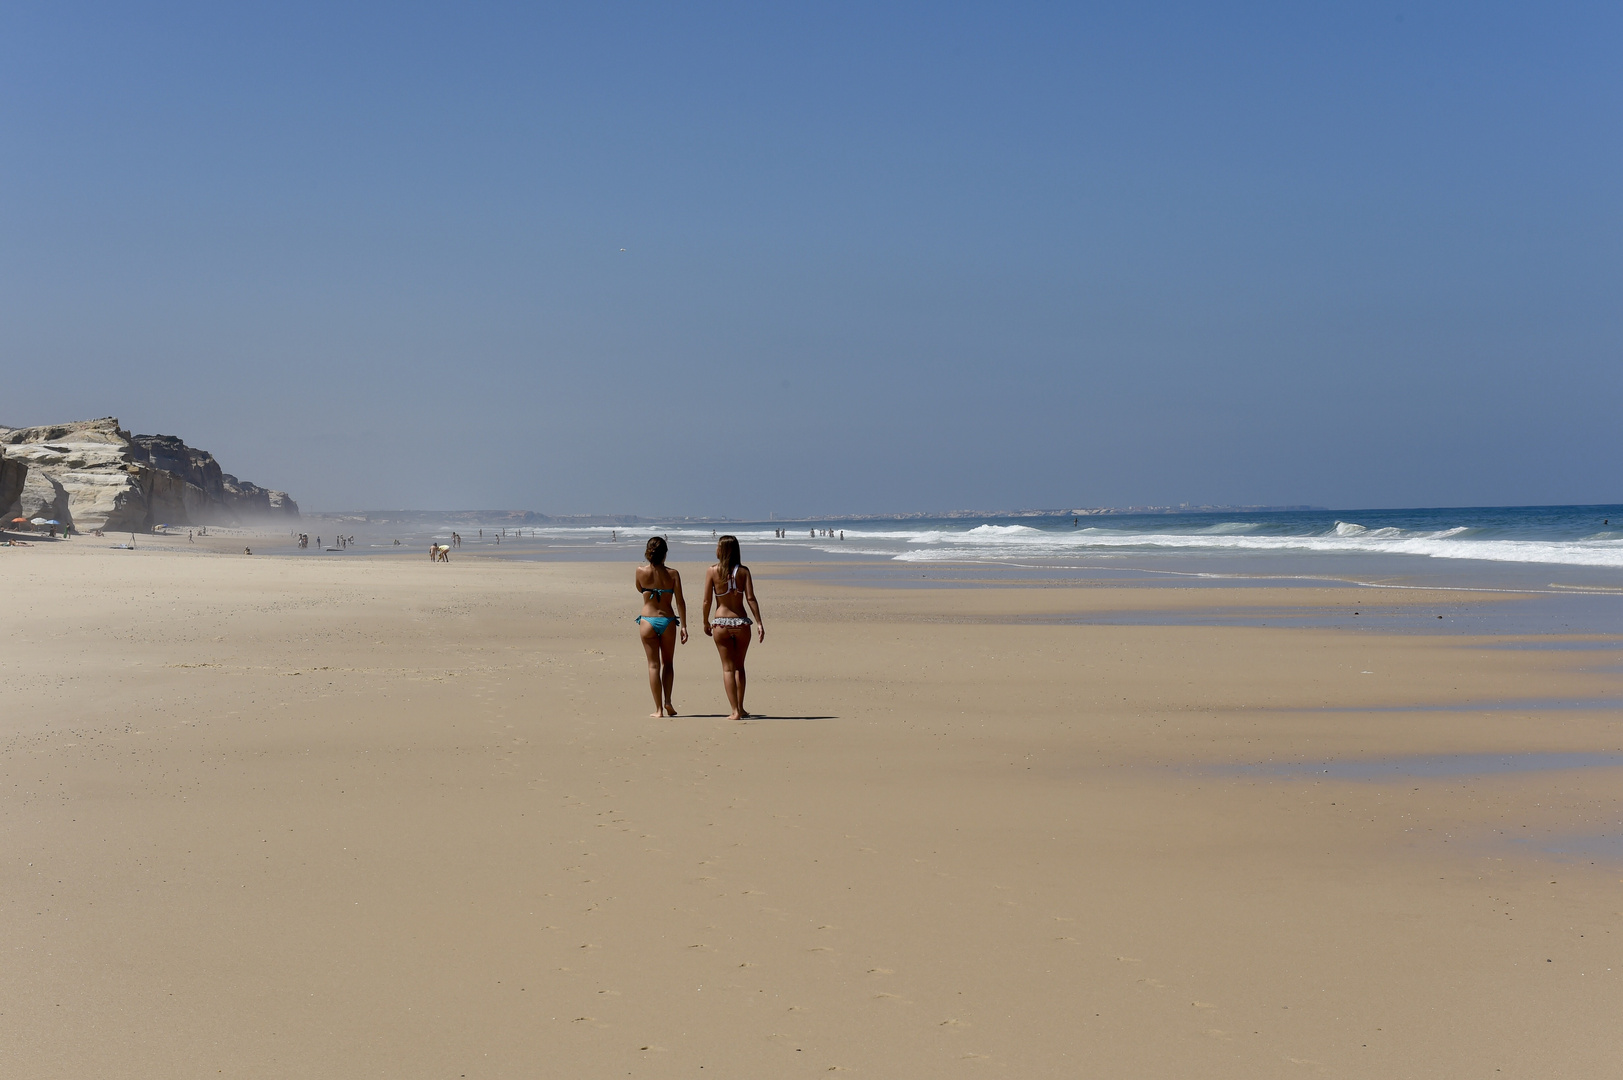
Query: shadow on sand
<point x="752" y="717"/>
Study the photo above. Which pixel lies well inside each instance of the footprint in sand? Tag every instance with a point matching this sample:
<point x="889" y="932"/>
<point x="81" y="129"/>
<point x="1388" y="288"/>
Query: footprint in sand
<point x="952" y="1024"/>
<point x="1202" y="1005"/>
<point x="881" y="971"/>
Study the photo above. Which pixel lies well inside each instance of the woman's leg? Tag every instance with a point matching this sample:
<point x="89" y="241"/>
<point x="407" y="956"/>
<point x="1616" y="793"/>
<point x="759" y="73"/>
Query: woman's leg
<point x="651" y="646"/>
<point x="720" y="635"/>
<point x="667" y="665"/>
<point x="741" y="646"/>
<point x="732" y="642"/>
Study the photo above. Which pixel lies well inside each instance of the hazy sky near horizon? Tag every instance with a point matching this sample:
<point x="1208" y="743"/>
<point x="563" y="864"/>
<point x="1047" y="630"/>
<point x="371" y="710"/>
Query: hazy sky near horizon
<point x="826" y="258"/>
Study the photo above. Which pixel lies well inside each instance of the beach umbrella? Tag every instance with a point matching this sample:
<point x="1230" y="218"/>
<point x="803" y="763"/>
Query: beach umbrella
<point x="53" y="521"/>
<point x="19" y="521"/>
<point x="39" y="521"/>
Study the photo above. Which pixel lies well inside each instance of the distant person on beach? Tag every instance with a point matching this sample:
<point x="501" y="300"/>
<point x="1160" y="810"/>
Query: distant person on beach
<point x="663" y="619"/>
<point x="730" y="587"/>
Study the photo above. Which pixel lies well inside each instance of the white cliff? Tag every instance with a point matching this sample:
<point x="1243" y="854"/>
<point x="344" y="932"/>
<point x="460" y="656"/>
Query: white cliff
<point x="94" y="475"/>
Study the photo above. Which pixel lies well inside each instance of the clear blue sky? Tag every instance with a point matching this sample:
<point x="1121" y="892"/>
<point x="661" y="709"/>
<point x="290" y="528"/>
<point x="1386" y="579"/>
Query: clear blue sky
<point x="826" y="258"/>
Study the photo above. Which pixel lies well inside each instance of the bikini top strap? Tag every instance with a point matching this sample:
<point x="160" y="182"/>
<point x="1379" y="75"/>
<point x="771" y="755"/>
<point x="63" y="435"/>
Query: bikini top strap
<point x="732" y="581"/>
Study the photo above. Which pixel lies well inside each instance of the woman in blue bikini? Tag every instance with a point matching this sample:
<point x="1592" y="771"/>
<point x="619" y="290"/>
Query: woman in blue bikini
<point x="661" y="588"/>
<point x="730" y="587"/>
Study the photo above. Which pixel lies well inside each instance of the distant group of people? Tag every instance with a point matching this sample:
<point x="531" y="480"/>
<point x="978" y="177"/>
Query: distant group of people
<point x="729" y="592"/>
<point x="304" y="540"/>
<point x="783" y="534"/>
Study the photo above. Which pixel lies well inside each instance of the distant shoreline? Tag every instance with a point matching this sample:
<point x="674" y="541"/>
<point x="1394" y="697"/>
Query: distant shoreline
<point x="534" y="517"/>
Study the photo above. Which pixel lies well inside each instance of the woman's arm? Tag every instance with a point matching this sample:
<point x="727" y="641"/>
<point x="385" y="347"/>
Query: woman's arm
<point x="747" y="580"/>
<point x="681" y="606"/>
<point x="708" y="594"/>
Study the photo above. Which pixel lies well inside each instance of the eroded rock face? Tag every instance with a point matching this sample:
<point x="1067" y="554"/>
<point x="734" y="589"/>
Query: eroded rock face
<point x="90" y="462"/>
<point x="101" y="477"/>
<point x="13" y="474"/>
<point x="41" y="497"/>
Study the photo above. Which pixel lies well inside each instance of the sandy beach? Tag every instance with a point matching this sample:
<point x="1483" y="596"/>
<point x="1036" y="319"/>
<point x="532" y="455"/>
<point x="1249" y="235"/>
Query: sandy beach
<point x="355" y="817"/>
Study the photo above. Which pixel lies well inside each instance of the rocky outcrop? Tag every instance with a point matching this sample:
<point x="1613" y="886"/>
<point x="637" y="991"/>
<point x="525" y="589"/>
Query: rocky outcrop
<point x="13" y="475"/>
<point x="41" y="497"/>
<point x="90" y="461"/>
<point x="191" y="489"/>
<point x="96" y="475"/>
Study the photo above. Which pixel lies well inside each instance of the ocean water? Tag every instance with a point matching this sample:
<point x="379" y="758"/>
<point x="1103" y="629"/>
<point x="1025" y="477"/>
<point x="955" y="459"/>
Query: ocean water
<point x="1589" y="537"/>
<point x="1577" y="547"/>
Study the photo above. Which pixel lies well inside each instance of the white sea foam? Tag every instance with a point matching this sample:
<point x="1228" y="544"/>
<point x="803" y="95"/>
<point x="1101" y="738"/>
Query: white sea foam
<point x="1035" y="544"/>
<point x="1228" y="528"/>
<point x="1025" y="544"/>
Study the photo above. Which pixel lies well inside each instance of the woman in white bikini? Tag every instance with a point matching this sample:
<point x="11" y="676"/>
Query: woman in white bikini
<point x="729" y="586"/>
<point x="664" y="615"/>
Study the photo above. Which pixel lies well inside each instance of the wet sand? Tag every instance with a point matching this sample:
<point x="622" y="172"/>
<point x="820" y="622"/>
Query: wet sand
<point x="306" y="817"/>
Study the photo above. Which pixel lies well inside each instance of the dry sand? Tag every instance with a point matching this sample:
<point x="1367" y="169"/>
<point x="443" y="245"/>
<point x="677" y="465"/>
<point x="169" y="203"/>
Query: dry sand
<point x="341" y="817"/>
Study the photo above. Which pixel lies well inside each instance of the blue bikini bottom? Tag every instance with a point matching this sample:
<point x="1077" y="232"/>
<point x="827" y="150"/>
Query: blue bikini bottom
<point x="660" y="623"/>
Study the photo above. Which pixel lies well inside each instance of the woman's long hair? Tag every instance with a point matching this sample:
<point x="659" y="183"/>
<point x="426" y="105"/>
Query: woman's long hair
<point x="656" y="551"/>
<point x="727" y="556"/>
